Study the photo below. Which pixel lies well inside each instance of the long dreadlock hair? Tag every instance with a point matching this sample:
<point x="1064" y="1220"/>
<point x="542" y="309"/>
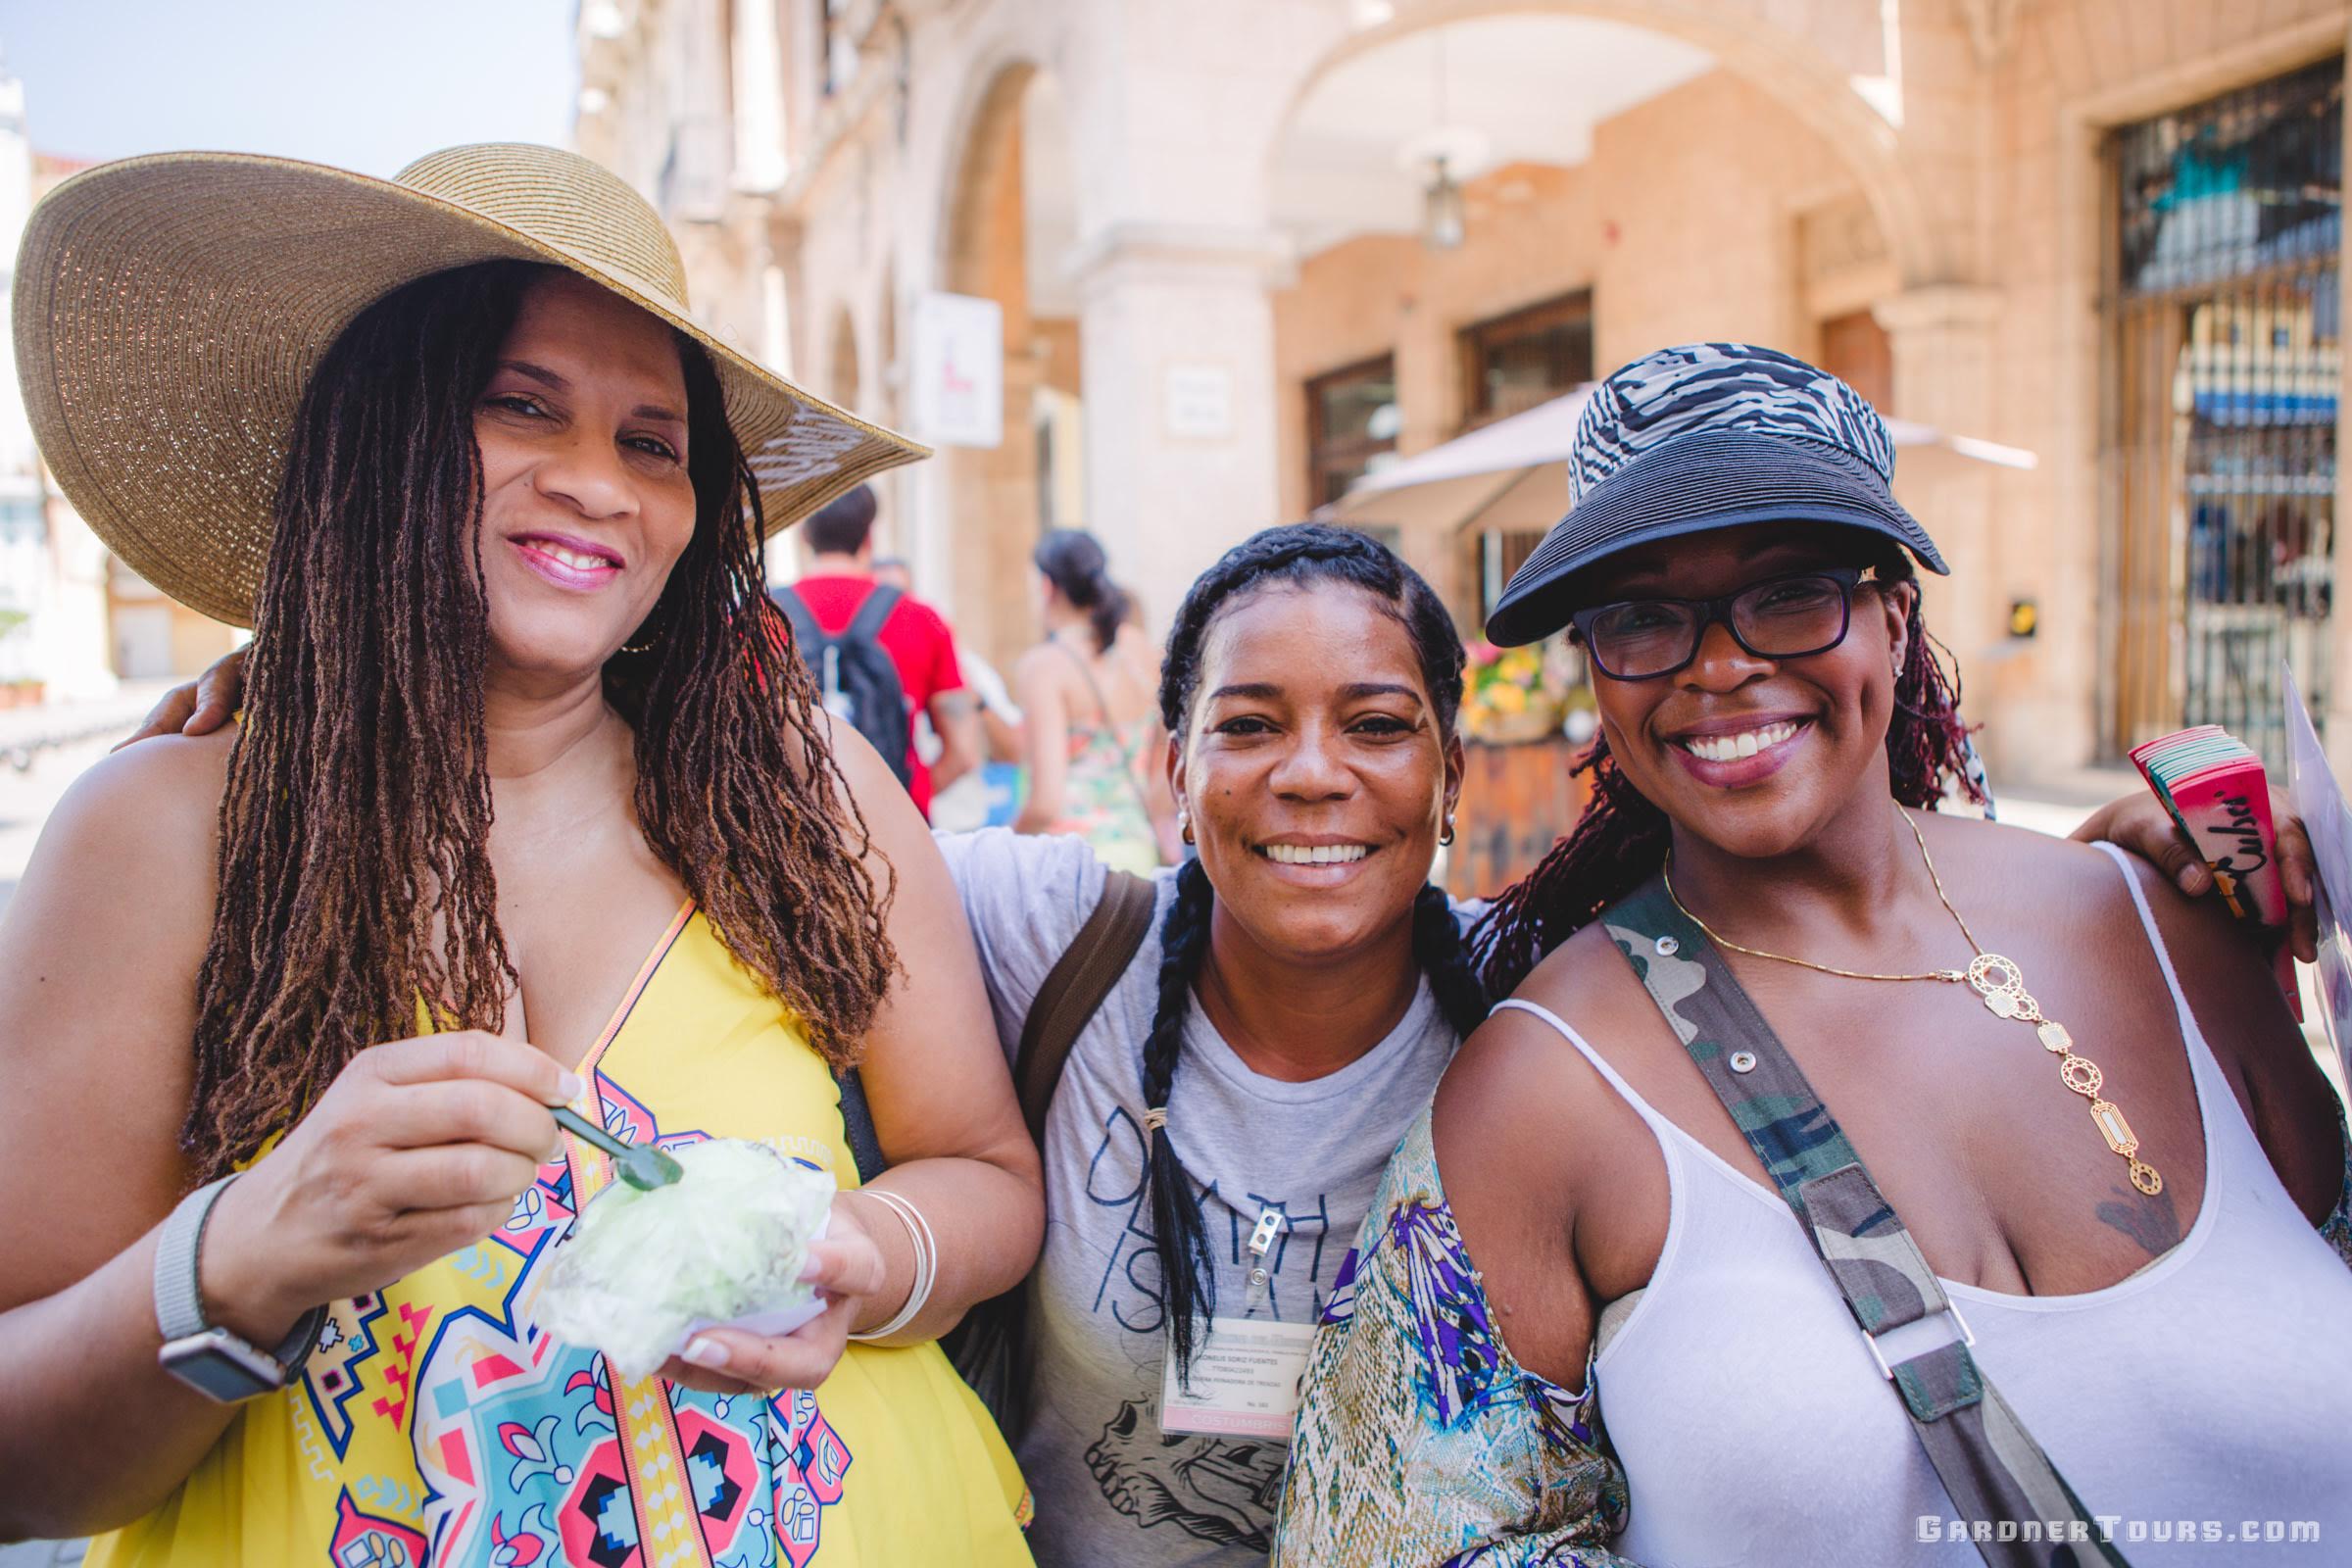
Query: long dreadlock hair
<point x="1304" y="556"/>
<point x="1621" y="840"/>
<point x="355" y="882"/>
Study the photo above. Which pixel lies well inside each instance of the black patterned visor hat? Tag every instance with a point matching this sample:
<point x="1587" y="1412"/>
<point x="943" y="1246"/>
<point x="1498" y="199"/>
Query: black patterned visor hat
<point x="1709" y="435"/>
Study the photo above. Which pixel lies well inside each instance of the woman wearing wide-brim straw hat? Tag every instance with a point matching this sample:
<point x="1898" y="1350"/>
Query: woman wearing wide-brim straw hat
<point x="524" y="757"/>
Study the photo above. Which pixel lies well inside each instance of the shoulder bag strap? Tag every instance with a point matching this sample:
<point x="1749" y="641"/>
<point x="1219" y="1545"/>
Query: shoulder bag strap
<point x="1990" y="1464"/>
<point x="857" y="1127"/>
<point x="1064" y="1004"/>
<point x="1073" y="992"/>
<point x="872" y="612"/>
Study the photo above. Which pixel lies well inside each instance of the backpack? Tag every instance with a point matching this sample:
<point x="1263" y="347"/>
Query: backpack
<point x="856" y="674"/>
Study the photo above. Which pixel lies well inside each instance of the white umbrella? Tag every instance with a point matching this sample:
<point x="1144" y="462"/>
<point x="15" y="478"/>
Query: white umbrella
<point x="1513" y="474"/>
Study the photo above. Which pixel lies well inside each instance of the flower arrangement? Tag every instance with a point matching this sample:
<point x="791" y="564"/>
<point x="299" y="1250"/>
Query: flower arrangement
<point x="1512" y="695"/>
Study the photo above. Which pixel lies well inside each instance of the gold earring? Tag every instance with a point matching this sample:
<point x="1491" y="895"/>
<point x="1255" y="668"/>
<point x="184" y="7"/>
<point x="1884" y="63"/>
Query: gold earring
<point x="1184" y="829"/>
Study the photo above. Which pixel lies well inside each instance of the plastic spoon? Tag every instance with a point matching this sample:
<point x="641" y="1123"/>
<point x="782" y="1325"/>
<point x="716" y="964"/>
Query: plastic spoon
<point x="641" y="1165"/>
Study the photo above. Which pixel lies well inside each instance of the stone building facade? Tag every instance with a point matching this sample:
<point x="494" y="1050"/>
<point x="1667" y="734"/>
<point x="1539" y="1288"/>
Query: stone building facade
<point x="2103" y="231"/>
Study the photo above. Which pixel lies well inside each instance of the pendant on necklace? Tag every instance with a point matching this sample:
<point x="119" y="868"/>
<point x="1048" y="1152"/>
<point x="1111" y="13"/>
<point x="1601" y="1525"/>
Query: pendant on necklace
<point x="2001" y="986"/>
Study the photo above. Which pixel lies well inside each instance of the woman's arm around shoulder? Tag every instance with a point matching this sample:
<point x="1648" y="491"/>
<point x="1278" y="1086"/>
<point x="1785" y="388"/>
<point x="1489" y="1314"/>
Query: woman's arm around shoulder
<point x="2232" y="990"/>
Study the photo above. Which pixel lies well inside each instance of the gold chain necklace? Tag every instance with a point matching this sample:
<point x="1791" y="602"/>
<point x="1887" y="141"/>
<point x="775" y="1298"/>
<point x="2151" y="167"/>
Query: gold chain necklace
<point x="2002" y="986"/>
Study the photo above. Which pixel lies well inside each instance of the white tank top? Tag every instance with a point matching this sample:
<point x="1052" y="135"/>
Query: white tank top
<point x="2213" y="1385"/>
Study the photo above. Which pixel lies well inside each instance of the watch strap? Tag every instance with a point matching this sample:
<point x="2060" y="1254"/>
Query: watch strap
<point x="178" y="1290"/>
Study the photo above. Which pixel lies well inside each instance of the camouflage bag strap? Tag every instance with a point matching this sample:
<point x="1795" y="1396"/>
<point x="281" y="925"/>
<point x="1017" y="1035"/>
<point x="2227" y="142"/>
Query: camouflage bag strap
<point x="1997" y="1476"/>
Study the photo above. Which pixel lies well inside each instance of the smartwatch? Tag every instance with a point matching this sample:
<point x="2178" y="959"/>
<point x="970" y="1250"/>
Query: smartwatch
<point x="207" y="1357"/>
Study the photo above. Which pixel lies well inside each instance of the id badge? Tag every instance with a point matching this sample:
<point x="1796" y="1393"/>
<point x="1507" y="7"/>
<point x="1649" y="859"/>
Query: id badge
<point x="1246" y="1380"/>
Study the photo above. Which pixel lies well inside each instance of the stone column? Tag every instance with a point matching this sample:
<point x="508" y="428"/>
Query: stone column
<point x="1177" y="337"/>
<point x="2033" y="696"/>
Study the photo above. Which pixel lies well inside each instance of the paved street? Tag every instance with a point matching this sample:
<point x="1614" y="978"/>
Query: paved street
<point x="42" y="751"/>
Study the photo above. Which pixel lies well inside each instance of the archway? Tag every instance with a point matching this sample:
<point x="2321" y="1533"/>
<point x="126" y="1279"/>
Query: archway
<point x="1009" y="225"/>
<point x="1623" y="187"/>
<point x="1833" y="78"/>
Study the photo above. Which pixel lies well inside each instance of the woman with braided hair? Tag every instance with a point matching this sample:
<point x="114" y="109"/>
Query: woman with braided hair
<point x="529" y="805"/>
<point x="1221" y="1122"/>
<point x="1261" y="1055"/>
<point x="1880" y="1181"/>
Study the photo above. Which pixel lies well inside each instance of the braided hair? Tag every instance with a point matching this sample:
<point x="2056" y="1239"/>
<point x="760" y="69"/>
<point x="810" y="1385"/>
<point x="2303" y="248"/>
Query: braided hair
<point x="355" y="882"/>
<point x="1621" y="841"/>
<point x="1302" y="555"/>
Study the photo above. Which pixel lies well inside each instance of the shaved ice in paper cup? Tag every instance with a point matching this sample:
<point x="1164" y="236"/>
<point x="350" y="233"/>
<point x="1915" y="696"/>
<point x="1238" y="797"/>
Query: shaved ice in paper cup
<point x="723" y="1247"/>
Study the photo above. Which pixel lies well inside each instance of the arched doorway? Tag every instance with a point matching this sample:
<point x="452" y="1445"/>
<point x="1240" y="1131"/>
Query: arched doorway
<point x="1618" y="184"/>
<point x="1010" y="225"/>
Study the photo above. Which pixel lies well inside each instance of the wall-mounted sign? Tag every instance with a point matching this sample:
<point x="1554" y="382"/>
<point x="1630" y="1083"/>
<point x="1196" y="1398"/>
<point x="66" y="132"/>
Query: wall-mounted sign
<point x="1198" y="402"/>
<point x="959" y="370"/>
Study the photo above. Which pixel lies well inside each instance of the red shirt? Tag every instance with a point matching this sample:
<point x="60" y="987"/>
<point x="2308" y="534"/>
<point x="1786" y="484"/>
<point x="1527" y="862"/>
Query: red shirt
<point x="917" y="641"/>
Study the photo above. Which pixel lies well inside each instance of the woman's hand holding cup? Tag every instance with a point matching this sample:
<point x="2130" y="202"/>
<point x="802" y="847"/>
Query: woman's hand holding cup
<point x="847" y="1267"/>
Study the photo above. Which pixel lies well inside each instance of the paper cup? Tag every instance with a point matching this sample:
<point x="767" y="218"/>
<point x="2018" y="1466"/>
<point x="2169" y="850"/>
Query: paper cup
<point x="774" y="1322"/>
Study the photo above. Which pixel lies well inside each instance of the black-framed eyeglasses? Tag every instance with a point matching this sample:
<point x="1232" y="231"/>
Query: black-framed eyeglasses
<point x="1787" y="617"/>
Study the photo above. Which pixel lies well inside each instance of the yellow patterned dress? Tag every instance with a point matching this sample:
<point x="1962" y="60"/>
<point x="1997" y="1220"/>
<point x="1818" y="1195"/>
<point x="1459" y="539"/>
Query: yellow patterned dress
<point x="436" y="1425"/>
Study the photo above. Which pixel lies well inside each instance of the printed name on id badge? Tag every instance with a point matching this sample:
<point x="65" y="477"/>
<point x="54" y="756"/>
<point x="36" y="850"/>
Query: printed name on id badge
<point x="1245" y="1382"/>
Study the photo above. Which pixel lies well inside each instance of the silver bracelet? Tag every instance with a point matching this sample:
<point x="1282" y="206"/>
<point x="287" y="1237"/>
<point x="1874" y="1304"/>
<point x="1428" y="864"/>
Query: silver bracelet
<point x="926" y="1263"/>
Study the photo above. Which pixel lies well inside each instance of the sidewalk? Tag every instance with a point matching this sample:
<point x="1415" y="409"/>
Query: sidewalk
<point x="2058" y="804"/>
<point x="25" y="730"/>
<point x="42" y="751"/>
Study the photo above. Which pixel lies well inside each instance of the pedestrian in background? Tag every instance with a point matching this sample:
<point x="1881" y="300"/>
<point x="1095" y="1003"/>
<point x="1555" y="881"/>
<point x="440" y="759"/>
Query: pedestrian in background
<point x="527" y="808"/>
<point x="920" y="649"/>
<point x="1090" y="735"/>
<point x="987" y="794"/>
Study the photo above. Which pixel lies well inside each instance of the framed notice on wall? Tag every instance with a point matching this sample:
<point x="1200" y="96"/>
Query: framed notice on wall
<point x="958" y="395"/>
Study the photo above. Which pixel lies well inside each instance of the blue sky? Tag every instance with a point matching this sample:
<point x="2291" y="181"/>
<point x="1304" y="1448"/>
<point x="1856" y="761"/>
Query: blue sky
<point x="363" y="84"/>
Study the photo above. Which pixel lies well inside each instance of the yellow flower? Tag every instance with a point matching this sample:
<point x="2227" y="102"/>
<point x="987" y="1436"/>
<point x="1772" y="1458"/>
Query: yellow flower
<point x="1508" y="699"/>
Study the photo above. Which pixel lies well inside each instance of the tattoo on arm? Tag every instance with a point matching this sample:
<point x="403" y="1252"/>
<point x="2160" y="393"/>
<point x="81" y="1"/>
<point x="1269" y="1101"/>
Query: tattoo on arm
<point x="2152" y="1222"/>
<point x="953" y="704"/>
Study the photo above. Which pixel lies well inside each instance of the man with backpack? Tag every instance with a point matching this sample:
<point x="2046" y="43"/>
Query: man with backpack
<point x="880" y="657"/>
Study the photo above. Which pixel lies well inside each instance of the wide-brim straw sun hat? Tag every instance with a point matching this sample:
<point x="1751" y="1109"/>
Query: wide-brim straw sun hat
<point x="1705" y="436"/>
<point x="169" y="311"/>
